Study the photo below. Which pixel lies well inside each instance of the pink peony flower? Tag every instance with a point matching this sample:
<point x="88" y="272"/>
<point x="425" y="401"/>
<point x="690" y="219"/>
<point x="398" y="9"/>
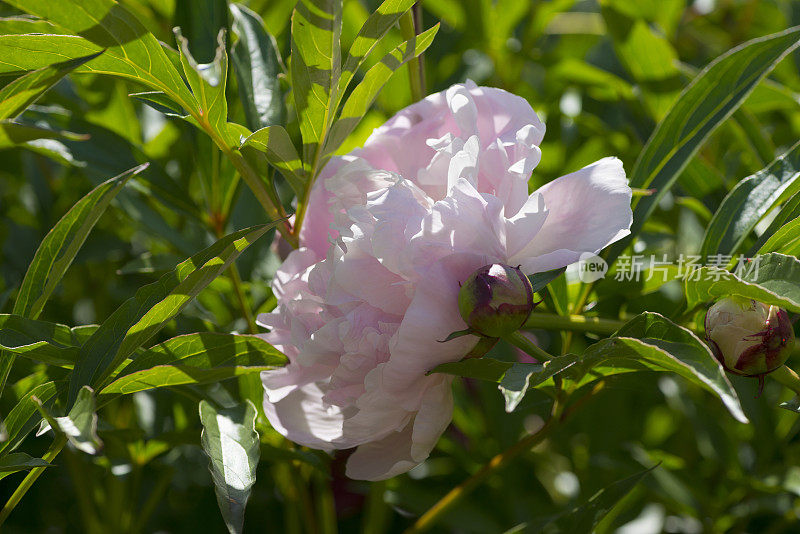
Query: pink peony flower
<point x="437" y="192"/>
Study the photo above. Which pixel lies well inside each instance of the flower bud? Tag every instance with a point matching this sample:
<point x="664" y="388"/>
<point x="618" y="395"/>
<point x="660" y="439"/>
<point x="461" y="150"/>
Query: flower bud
<point x="496" y="300"/>
<point x="748" y="337"/>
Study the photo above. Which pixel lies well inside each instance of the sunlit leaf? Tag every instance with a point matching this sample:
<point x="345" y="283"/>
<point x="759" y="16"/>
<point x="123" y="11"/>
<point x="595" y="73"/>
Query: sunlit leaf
<point x="772" y="279"/>
<point x="24" y="416"/>
<point x="749" y="201"/>
<point x="131" y="50"/>
<point x="25" y="90"/>
<point x="231" y="442"/>
<point x="376" y="77"/>
<point x="79" y="426"/>
<point x="195" y="359"/>
<point x="315" y="68"/>
<point x="712" y="97"/>
<point x="256" y="64"/>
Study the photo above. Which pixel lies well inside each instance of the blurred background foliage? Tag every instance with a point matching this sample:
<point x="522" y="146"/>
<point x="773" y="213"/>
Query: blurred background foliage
<point x="601" y="75"/>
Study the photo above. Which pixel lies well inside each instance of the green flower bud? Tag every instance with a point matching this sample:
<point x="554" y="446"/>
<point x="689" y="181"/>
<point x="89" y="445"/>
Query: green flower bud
<point x="748" y="337"/>
<point x="496" y="300"/>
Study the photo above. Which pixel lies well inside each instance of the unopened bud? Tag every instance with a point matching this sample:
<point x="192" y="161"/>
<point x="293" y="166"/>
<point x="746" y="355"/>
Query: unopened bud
<point x="748" y="337"/>
<point x="496" y="300"/>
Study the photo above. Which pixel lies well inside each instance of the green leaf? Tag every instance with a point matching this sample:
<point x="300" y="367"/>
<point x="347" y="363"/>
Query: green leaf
<point x="710" y="98"/>
<point x="792" y="405"/>
<point x="256" y="64"/>
<point x="19" y="461"/>
<point x="25" y="90"/>
<point x="514" y="379"/>
<point x="647" y="55"/>
<point x="274" y="143"/>
<point x="231" y="442"/>
<point x="650" y="341"/>
<point x="57" y="250"/>
<point x="786" y="240"/>
<point x="749" y="201"/>
<point x="540" y="280"/>
<point x="131" y="50"/>
<point x="21" y="53"/>
<point x="376" y="77"/>
<point x="585" y="517"/>
<point x="14" y="134"/>
<point x="61" y="244"/>
<point x="521" y="377"/>
<point x="772" y="279"/>
<point x="80" y="424"/>
<point x="315" y="67"/>
<point x="159" y="101"/>
<point x="141" y="316"/>
<point x="374" y="29"/>
<point x="50" y="343"/>
<point x="788" y="211"/>
<point x="24" y="416"/>
<point x="208" y="82"/>
<point x="196" y="359"/>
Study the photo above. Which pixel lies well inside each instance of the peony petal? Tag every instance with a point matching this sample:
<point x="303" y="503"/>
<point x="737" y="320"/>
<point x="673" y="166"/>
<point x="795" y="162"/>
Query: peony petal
<point x="384" y="458"/>
<point x="304" y="418"/>
<point x="587" y="210"/>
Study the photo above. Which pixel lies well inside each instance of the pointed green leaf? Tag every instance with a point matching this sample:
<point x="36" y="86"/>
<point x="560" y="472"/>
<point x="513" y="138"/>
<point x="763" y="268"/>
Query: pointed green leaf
<point x="159" y="101"/>
<point x="786" y="240"/>
<point x="650" y="341"/>
<point x="196" y="359"/>
<point x="376" y="77"/>
<point x="25" y="90"/>
<point x="274" y="143"/>
<point x="208" y="82"/>
<point x="772" y="279"/>
<point x="80" y="424"/>
<point x="256" y="64"/>
<point x="514" y="379"/>
<point x="315" y="67"/>
<point x="231" y="442"/>
<point x="788" y="211"/>
<point x="57" y="250"/>
<point x="61" y="244"/>
<point x="19" y="461"/>
<point x="585" y="517"/>
<point x="14" y="134"/>
<point x="709" y="99"/>
<point x="373" y="30"/>
<point x="24" y="416"/>
<point x="140" y="317"/>
<point x="50" y="343"/>
<point x="131" y="50"/>
<point x="749" y="201"/>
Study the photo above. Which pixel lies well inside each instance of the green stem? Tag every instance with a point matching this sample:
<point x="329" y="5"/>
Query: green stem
<point x="519" y="340"/>
<point x="573" y="323"/>
<point x="376" y="510"/>
<point x="786" y="376"/>
<point x="28" y="481"/>
<point x="436" y="512"/>
<point x="245" y="309"/>
<point x="415" y="67"/>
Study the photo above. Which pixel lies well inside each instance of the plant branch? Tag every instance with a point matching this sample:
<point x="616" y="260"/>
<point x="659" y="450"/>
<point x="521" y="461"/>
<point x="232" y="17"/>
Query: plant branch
<point x="574" y="323"/>
<point x="436" y="512"/>
<point x="526" y="345"/>
<point x="787" y="377"/>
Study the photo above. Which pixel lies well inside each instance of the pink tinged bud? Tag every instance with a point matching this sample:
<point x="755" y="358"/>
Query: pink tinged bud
<point x="748" y="337"/>
<point x="496" y="300"/>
